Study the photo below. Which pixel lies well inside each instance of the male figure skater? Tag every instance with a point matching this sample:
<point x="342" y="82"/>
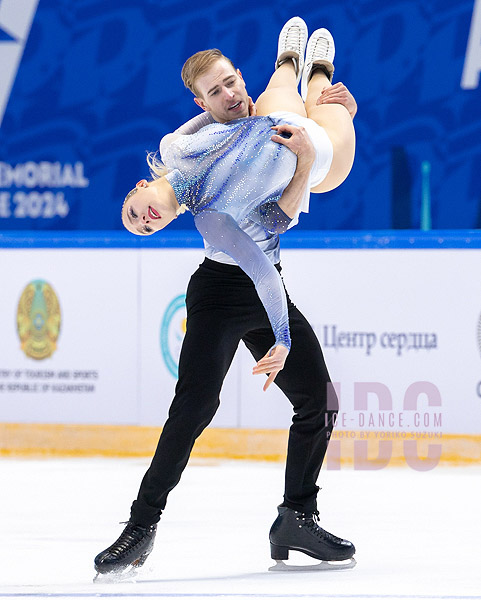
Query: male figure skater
<point x="223" y="307"/>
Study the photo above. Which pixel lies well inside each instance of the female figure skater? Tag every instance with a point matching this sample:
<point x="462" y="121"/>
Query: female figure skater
<point x="235" y="168"/>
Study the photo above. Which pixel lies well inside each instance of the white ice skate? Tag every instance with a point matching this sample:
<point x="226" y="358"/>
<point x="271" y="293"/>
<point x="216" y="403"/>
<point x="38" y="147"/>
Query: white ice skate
<point x="320" y="52"/>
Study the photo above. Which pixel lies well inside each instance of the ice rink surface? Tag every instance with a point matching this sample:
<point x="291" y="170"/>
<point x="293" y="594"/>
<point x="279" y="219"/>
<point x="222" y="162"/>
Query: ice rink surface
<point x="417" y="534"/>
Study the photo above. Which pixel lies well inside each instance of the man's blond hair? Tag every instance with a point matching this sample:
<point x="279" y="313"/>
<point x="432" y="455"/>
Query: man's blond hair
<point x="198" y="64"/>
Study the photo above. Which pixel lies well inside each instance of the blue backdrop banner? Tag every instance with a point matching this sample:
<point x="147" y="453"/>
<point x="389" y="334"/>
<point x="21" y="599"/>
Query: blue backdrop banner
<point x="88" y="87"/>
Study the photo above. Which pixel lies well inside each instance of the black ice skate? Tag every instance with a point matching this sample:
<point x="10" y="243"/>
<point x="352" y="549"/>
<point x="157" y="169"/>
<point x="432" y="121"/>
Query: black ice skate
<point x="293" y="530"/>
<point x="127" y="554"/>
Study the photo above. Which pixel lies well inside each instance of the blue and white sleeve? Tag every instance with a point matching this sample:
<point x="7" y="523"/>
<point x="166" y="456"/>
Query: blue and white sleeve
<point x="271" y="216"/>
<point x="195" y="124"/>
<point x="221" y="231"/>
<point x="188" y="128"/>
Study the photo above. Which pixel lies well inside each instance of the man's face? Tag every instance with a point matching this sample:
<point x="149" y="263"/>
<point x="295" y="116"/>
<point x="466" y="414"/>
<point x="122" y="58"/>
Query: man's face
<point x="222" y="92"/>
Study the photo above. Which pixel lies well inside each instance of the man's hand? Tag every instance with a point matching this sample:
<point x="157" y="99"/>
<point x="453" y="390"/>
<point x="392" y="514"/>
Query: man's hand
<point x="272" y="363"/>
<point x="298" y="142"/>
<point x="252" y="108"/>
<point x="339" y="94"/>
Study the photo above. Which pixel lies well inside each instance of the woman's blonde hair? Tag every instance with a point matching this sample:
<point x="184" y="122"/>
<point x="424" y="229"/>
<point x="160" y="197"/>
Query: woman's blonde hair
<point x="157" y="170"/>
<point x="198" y="64"/>
<point x="156" y="166"/>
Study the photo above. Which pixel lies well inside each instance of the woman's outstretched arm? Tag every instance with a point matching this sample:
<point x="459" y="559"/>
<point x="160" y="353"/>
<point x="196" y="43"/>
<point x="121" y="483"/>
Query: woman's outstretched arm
<point x="221" y="231"/>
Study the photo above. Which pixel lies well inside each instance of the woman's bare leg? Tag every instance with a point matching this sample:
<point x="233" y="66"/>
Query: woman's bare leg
<point x="281" y="93"/>
<point x="337" y="122"/>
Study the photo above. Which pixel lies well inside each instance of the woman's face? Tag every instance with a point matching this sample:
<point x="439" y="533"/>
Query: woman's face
<point x="146" y="211"/>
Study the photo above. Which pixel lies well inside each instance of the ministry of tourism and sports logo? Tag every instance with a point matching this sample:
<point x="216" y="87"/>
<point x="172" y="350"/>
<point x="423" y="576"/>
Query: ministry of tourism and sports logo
<point x="38" y="320"/>
<point x="172" y="331"/>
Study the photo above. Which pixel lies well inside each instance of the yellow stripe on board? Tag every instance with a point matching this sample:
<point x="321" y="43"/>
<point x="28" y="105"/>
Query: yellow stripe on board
<point x="360" y="450"/>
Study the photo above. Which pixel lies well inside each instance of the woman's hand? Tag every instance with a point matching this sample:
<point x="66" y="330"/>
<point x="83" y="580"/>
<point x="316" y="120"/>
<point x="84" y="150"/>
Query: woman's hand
<point x="272" y="363"/>
<point x="339" y="94"/>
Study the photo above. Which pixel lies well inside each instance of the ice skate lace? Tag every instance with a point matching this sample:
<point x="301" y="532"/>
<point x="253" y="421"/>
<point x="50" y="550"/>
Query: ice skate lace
<point x="320" y="50"/>
<point x="129" y="538"/>
<point x="293" y="39"/>
<point x="311" y="522"/>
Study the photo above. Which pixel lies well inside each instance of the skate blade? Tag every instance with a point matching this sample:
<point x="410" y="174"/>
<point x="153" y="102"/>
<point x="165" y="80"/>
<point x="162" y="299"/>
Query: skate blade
<point x="129" y="575"/>
<point x="324" y="565"/>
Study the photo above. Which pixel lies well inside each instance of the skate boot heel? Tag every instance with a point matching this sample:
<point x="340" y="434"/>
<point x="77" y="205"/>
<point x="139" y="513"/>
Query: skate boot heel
<point x="279" y="552"/>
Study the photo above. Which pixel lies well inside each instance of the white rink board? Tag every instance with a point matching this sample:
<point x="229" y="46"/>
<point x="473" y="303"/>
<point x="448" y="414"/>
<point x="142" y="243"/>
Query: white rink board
<point x="387" y="320"/>
<point x="97" y="345"/>
<point x="435" y="295"/>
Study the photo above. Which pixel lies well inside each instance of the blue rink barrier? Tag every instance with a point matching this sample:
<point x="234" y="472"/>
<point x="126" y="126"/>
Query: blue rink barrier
<point x="332" y="240"/>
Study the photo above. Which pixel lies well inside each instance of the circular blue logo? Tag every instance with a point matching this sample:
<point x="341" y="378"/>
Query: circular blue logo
<point x="172" y="331"/>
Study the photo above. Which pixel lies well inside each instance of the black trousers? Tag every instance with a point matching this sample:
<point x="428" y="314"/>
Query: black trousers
<point x="223" y="308"/>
